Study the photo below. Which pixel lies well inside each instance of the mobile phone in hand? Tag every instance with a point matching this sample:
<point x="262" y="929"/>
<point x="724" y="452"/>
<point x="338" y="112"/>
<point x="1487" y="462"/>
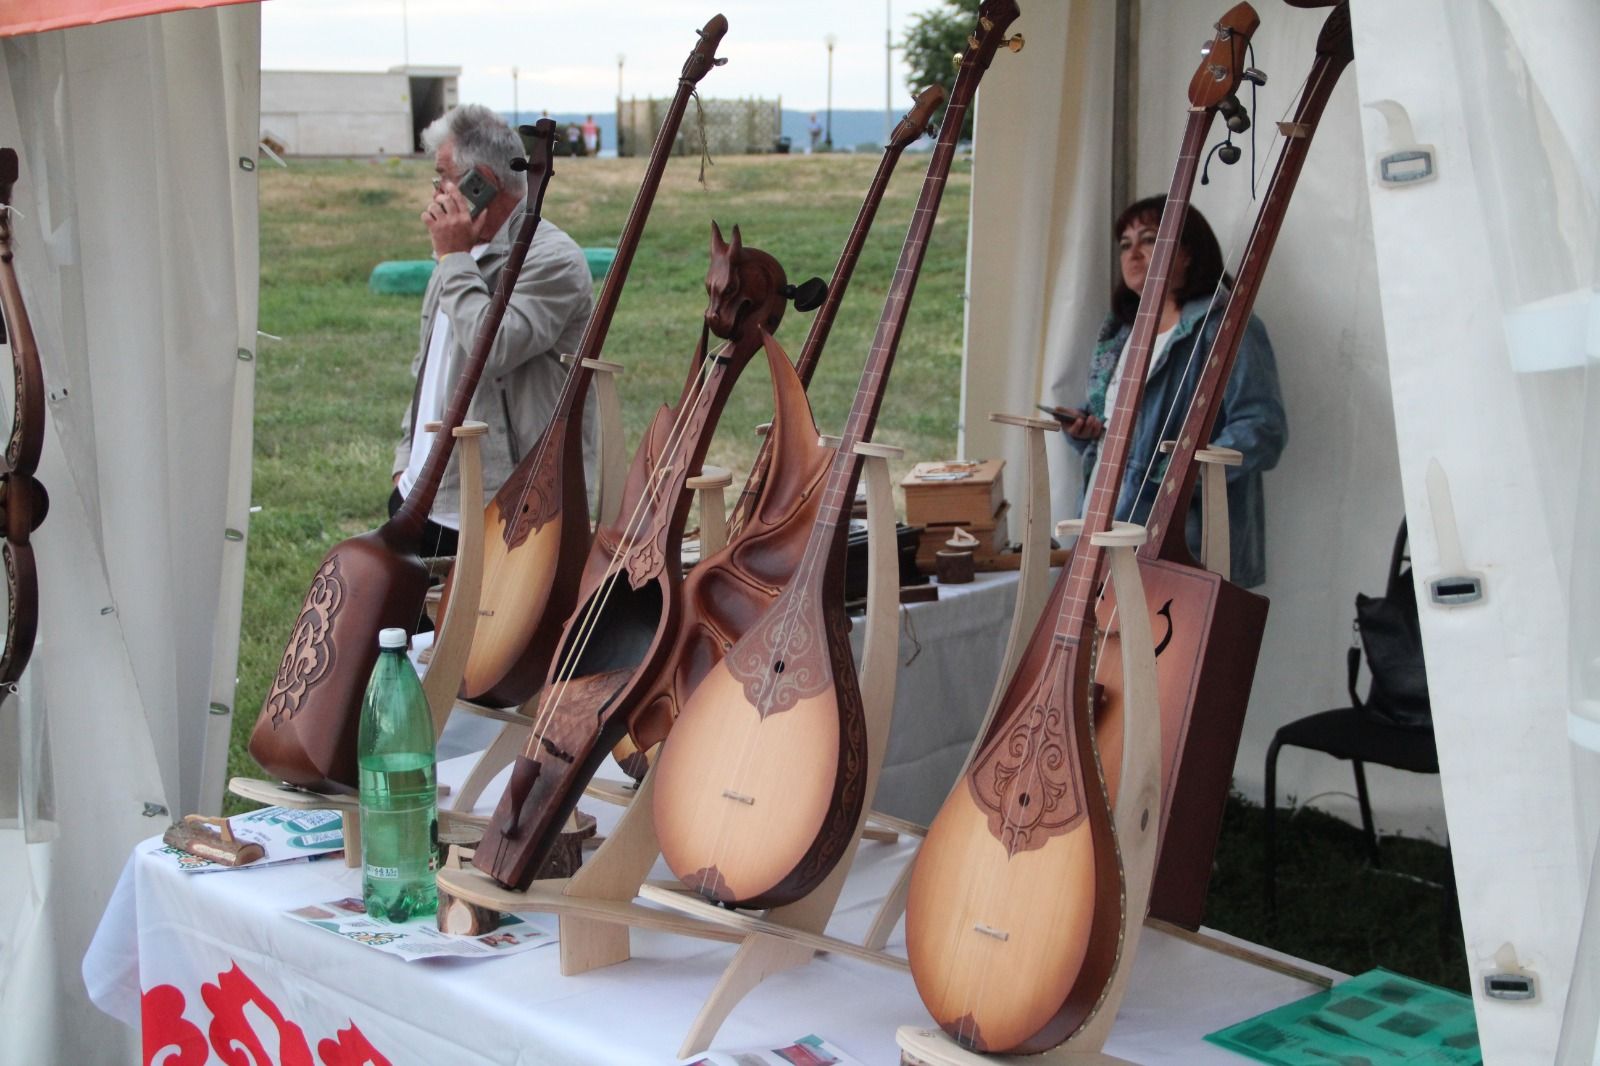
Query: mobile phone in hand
<point x="1064" y="414"/>
<point x="478" y="190"/>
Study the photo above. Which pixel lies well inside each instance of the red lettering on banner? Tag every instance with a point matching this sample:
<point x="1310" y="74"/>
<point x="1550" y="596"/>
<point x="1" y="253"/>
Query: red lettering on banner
<point x="163" y="1027"/>
<point x="170" y="1039"/>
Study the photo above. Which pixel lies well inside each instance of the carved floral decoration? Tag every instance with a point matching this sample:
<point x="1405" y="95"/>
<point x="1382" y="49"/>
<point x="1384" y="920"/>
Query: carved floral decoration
<point x="170" y="1039"/>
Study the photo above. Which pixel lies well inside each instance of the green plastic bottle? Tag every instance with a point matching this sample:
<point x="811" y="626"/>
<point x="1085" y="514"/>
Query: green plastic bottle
<point x="399" y="801"/>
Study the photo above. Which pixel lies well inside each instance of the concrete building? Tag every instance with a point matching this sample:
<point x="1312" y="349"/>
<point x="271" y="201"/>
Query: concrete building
<point x="317" y="112"/>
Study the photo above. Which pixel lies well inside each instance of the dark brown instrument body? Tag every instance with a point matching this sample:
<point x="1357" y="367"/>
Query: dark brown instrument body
<point x="536" y="529"/>
<point x="727" y="592"/>
<point x="23" y="501"/>
<point x="306" y="732"/>
<point x="1208" y="636"/>
<point x="630" y="603"/>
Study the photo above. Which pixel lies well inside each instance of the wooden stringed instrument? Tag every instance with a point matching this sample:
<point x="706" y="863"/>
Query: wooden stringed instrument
<point x="1208" y="630"/>
<point x="306" y="732"/>
<point x="773" y="515"/>
<point x="630" y="599"/>
<point x="536" y="529"/>
<point x="760" y="786"/>
<point x="23" y="502"/>
<point x="1016" y="905"/>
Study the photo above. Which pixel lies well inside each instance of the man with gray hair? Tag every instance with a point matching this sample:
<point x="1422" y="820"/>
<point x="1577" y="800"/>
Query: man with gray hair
<point x="544" y="320"/>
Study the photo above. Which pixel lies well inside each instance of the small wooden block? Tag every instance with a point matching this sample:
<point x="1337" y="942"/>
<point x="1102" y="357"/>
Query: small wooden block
<point x="879" y="451"/>
<point x="456" y="916"/>
<point x="1120" y="535"/>
<point x="1219" y="455"/>
<point x="919" y="593"/>
<point x="212" y="839"/>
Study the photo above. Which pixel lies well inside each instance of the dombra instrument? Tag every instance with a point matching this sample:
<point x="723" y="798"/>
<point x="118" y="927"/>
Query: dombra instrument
<point x="306" y="732"/>
<point x="536" y="529"/>
<point x="1208" y="630"/>
<point x="1015" y="912"/>
<point x="630" y="603"/>
<point x="23" y="502"/>
<point x="726" y="591"/>
<point x="761" y="783"/>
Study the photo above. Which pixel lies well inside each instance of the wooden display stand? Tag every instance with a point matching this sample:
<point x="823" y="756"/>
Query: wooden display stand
<point x="1216" y="549"/>
<point x="598" y="906"/>
<point x="1033" y="589"/>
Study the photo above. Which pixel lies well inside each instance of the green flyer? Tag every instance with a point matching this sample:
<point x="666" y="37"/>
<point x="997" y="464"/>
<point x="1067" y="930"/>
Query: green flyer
<point x="1370" y="1020"/>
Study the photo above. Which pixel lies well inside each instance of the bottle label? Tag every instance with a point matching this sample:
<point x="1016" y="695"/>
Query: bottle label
<point x="387" y="873"/>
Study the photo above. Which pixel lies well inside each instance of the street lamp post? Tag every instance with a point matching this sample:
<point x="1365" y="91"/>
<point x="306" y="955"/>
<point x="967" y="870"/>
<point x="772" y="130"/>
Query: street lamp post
<point x="830" y="40"/>
<point x="618" y="116"/>
<point x="516" y="108"/>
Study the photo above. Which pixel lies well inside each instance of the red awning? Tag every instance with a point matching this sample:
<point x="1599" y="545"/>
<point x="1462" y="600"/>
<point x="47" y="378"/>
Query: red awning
<point x="34" y="16"/>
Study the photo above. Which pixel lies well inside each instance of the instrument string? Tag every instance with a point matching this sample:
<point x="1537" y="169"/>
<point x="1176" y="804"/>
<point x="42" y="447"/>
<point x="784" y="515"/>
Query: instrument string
<point x="1141" y="506"/>
<point x="576" y="383"/>
<point x="643" y="510"/>
<point x="792" y="602"/>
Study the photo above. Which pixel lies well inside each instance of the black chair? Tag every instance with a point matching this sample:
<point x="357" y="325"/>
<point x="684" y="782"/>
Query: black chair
<point x="1359" y="733"/>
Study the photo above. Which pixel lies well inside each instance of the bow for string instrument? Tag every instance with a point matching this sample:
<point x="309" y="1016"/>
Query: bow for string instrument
<point x="23" y="502"/>
<point x="1015" y="913"/>
<point x="306" y="732"/>
<point x="727" y="591"/>
<point x="631" y="592"/>
<point x="1209" y="629"/>
<point x="760" y="787"/>
<point x="536" y="529"/>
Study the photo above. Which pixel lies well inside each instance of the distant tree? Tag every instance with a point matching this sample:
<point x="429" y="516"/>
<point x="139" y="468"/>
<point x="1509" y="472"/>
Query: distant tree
<point x="931" y="42"/>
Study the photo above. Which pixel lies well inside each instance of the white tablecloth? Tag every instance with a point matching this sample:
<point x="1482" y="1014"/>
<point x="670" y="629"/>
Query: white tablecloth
<point x="209" y="958"/>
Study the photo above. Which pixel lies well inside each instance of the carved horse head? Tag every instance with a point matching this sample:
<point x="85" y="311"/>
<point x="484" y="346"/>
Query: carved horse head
<point x="745" y="288"/>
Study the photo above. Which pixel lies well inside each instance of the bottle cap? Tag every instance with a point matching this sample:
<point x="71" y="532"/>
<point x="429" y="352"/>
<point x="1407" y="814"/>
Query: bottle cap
<point x="392" y="638"/>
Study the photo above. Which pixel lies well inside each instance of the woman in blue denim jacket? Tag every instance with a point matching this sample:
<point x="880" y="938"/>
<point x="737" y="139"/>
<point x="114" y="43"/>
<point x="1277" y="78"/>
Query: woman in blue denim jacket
<point x="1251" y="418"/>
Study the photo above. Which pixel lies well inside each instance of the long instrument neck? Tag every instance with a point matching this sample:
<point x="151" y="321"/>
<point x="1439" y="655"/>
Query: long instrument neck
<point x="411" y="516"/>
<point x="1100" y="508"/>
<point x="840" y="492"/>
<point x="806" y="364"/>
<point x="1167" y="519"/>
<point x="576" y="387"/>
<point x="817" y="337"/>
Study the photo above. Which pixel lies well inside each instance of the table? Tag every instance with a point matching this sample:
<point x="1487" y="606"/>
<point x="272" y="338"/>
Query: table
<point x="202" y="957"/>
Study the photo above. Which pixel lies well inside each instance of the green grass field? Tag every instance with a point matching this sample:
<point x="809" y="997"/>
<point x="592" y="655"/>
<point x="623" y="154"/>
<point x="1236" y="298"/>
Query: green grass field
<point x="330" y="394"/>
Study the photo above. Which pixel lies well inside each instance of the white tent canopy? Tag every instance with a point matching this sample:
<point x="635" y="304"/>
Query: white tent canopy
<point x="136" y="248"/>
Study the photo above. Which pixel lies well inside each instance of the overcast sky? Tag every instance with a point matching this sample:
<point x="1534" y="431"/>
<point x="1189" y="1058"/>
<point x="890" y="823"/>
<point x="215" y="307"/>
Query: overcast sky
<point x="567" y="52"/>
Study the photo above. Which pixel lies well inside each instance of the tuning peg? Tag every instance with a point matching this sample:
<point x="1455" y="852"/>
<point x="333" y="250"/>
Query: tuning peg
<point x="1014" y="42"/>
<point x="1253" y="74"/>
<point x="957" y="59"/>
<point x="987" y="24"/>
<point x="1234" y="114"/>
<point x="972" y="41"/>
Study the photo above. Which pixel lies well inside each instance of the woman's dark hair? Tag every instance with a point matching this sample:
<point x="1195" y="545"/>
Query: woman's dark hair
<point x="1205" y="256"/>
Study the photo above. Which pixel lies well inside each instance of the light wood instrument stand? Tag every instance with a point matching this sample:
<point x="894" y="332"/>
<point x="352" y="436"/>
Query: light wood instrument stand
<point x="1033" y="588"/>
<point x="1216" y="549"/>
<point x="599" y="905"/>
<point x="444" y="672"/>
<point x="613" y="458"/>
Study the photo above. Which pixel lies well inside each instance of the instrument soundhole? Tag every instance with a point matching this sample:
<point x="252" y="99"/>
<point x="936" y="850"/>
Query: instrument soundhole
<point x="777" y="667"/>
<point x="1022" y="800"/>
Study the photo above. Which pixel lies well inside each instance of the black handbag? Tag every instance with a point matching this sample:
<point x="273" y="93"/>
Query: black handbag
<point x="1391" y="639"/>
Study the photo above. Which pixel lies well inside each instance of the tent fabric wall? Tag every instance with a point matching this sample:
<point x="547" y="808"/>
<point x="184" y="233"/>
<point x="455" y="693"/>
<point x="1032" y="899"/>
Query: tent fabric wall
<point x="136" y="234"/>
<point x="1495" y="88"/>
<point x="1333" y="503"/>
